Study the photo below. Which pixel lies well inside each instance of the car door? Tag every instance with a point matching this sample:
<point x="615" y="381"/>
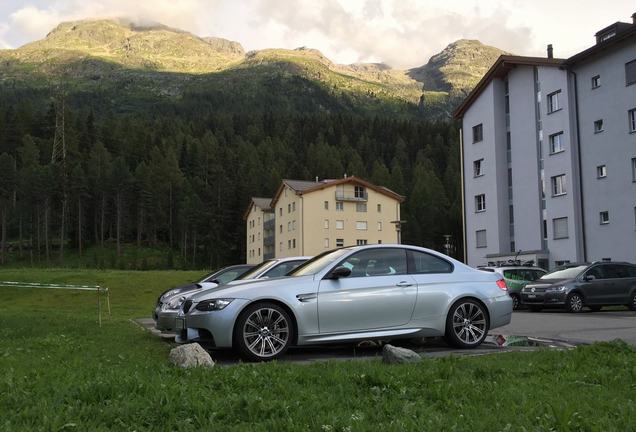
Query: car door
<point x="377" y="294"/>
<point x="595" y="285"/>
<point x="622" y="283"/>
<point x="434" y="277"/>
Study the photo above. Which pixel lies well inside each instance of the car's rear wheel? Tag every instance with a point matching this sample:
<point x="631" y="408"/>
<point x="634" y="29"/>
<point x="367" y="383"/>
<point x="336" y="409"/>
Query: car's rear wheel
<point x="575" y="303"/>
<point x="467" y="324"/>
<point x="596" y="308"/>
<point x="632" y="303"/>
<point x="263" y="332"/>
<point x="515" y="301"/>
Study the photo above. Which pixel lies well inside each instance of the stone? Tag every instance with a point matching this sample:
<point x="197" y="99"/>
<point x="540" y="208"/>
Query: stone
<point x="394" y="355"/>
<point x="190" y="355"/>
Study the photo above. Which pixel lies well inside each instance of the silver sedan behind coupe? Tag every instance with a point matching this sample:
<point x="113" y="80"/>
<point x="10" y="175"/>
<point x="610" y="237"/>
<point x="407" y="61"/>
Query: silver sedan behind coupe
<point x="350" y="294"/>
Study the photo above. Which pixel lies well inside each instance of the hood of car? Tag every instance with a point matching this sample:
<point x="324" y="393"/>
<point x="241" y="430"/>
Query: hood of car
<point x="250" y="289"/>
<point x="545" y="283"/>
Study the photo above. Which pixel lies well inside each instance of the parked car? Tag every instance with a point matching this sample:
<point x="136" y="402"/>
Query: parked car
<point x="347" y="295"/>
<point x="168" y="304"/>
<point x="516" y="278"/>
<point x="166" y="312"/>
<point x="575" y="286"/>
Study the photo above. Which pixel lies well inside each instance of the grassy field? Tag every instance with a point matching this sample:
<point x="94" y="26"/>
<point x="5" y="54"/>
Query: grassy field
<point x="59" y="371"/>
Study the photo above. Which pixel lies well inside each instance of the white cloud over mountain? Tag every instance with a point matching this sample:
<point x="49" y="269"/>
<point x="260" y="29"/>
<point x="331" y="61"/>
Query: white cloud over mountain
<point x="402" y="33"/>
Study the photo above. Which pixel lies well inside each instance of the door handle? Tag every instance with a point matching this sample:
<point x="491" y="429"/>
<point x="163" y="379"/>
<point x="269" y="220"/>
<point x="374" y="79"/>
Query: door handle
<point x="403" y="284"/>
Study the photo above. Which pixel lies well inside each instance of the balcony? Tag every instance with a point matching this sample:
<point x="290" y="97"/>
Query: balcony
<point x="355" y="197"/>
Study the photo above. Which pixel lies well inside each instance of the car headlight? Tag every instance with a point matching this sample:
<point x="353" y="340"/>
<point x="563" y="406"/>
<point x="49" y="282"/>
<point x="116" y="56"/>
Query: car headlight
<point x="212" y="305"/>
<point x="557" y="289"/>
<point x="173" y="304"/>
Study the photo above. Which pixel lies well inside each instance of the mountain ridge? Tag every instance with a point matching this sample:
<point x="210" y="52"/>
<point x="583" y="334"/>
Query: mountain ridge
<point x="166" y="61"/>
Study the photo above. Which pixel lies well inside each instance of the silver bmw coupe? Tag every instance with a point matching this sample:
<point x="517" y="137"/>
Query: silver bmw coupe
<point x="347" y="295"/>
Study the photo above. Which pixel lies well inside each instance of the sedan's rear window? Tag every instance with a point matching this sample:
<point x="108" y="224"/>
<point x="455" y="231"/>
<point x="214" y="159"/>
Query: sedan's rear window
<point x="427" y="263"/>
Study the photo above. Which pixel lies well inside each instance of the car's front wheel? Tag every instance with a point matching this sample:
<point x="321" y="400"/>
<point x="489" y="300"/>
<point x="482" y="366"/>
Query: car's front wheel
<point x="263" y="332"/>
<point x="467" y="324"/>
<point x="575" y="303"/>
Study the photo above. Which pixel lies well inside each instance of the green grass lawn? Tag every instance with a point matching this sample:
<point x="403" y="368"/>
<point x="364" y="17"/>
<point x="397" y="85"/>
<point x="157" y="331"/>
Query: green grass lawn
<point x="60" y="371"/>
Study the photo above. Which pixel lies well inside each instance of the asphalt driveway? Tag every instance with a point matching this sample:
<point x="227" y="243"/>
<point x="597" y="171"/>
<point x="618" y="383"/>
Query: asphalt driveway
<point x="585" y="327"/>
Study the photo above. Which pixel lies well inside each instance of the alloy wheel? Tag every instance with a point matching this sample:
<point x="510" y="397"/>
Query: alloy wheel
<point x="469" y="323"/>
<point x="575" y="304"/>
<point x="266" y="332"/>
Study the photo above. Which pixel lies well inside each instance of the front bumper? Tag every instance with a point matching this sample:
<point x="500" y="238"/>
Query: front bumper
<point x="165" y="320"/>
<point x="546" y="298"/>
<point x="214" y="327"/>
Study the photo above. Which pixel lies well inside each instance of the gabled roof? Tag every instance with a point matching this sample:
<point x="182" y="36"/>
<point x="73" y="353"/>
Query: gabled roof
<point x="262" y="203"/>
<point x="502" y="66"/>
<point x="302" y="187"/>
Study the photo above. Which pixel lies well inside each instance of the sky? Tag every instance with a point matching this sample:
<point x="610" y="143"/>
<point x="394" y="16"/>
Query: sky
<point x="401" y="33"/>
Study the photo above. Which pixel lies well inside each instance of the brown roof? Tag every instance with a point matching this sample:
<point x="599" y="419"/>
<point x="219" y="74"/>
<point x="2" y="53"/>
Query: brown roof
<point x="302" y="187"/>
<point x="620" y="36"/>
<point x="262" y="203"/>
<point x="498" y="70"/>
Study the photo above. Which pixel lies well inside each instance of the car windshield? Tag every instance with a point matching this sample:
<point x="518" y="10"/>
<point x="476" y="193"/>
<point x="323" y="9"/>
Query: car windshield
<point x="318" y="263"/>
<point x="565" y="272"/>
<point x="256" y="270"/>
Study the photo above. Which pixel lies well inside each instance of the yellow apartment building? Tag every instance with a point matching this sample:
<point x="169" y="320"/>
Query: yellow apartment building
<point x="259" y="218"/>
<point x="312" y="217"/>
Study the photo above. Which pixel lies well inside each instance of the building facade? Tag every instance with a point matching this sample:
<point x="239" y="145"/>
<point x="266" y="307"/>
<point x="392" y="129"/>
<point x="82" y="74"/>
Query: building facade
<point x="540" y="137"/>
<point x="259" y="218"/>
<point x="310" y="217"/>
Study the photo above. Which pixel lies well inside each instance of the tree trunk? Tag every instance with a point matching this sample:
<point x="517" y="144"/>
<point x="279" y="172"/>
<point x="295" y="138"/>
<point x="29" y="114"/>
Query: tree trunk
<point x="37" y="214"/>
<point x="140" y="225"/>
<point x="4" y="234"/>
<point x="170" y="217"/>
<point x="20" y="235"/>
<point x="103" y="217"/>
<point x="62" y="229"/>
<point x="31" y="242"/>
<point x="194" y="248"/>
<point x="46" y="230"/>
<point x="118" y="223"/>
<point x="79" y="225"/>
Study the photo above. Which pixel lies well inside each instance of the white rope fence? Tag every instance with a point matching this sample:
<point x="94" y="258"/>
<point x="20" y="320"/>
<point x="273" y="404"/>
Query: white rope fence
<point x="100" y="290"/>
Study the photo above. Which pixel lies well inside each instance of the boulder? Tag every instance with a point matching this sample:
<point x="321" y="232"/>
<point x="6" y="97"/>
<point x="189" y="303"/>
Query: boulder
<point x="393" y="355"/>
<point x="190" y="355"/>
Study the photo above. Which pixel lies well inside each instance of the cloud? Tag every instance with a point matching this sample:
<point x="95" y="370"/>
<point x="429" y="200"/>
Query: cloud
<point x="32" y="22"/>
<point x="402" y="33"/>
<point x="4" y="29"/>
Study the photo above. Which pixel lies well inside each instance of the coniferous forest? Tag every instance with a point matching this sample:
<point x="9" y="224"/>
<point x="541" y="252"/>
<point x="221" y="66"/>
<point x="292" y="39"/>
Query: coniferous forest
<point x="178" y="175"/>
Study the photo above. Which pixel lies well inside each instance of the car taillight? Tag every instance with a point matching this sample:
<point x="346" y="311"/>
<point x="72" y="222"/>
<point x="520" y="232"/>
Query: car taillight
<point x="502" y="284"/>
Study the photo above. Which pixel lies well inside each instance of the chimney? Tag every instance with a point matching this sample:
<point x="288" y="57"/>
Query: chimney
<point x="550" y="51"/>
<point x="634" y="18"/>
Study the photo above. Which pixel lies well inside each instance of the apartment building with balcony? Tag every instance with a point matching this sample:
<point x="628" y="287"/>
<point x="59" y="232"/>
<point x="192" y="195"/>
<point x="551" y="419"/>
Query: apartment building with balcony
<point x="259" y="218"/>
<point x="549" y="156"/>
<point x="310" y="217"/>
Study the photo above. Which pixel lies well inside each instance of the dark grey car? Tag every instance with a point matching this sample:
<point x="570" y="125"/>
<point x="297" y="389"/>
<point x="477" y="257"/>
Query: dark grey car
<point x="577" y="285"/>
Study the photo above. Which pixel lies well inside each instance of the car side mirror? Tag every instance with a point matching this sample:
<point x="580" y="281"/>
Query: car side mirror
<point x="339" y="272"/>
<point x="589" y="278"/>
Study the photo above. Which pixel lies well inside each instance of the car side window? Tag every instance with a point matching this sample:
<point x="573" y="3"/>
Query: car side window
<point x="632" y="271"/>
<point x="426" y="263"/>
<point x="616" y="271"/>
<point x="511" y="274"/>
<point x="376" y="262"/>
<point x="282" y="269"/>
<point x="598" y="272"/>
